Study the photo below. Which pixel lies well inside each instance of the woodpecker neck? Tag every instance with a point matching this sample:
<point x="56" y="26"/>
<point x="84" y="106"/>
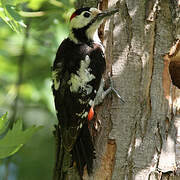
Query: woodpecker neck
<point x="80" y="36"/>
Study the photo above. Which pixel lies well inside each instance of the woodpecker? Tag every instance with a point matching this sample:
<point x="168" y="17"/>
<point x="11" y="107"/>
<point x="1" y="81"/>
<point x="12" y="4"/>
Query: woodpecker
<point x="77" y="77"/>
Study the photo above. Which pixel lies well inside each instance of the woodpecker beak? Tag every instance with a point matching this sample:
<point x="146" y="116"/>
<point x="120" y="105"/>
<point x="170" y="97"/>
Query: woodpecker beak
<point x="106" y="14"/>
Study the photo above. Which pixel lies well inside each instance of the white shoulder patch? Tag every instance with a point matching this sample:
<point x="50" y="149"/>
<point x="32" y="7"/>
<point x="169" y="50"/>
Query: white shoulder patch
<point x="82" y="77"/>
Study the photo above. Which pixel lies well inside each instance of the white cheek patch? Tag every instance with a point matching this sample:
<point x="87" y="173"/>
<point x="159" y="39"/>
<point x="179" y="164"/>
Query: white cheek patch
<point x="79" y="21"/>
<point x="82" y="77"/>
<point x="76" y="23"/>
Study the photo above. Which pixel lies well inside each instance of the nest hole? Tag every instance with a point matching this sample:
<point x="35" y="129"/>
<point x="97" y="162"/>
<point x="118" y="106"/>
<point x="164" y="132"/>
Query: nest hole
<point x="174" y="70"/>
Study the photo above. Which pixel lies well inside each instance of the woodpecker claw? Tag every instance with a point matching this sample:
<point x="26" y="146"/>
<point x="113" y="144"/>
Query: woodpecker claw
<point x="102" y="94"/>
<point x="118" y="95"/>
<point x="113" y="89"/>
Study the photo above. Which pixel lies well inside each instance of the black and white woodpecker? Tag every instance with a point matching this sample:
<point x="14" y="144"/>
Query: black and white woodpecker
<point x="77" y="74"/>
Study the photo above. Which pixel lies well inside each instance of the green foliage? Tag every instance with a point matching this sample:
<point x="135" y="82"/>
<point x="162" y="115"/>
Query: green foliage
<point x="11" y="10"/>
<point x="15" y="138"/>
<point x="4" y="122"/>
<point x="10" y="15"/>
<point x="47" y="25"/>
<point x="46" y="33"/>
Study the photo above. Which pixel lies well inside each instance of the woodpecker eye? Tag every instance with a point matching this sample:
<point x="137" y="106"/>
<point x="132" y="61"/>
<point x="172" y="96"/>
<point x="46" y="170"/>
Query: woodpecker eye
<point x="86" y="14"/>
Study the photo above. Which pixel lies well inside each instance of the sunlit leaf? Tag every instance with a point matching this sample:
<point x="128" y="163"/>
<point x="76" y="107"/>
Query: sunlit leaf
<point x="15" y="139"/>
<point x="9" y="14"/>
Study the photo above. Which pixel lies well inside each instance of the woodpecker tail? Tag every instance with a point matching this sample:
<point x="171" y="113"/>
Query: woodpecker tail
<point x="70" y="164"/>
<point x="83" y="152"/>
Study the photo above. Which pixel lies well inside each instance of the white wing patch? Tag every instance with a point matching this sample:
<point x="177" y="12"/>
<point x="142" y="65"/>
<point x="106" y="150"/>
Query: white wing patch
<point x="56" y="82"/>
<point x="82" y="77"/>
<point x="83" y="114"/>
<point x="55" y="77"/>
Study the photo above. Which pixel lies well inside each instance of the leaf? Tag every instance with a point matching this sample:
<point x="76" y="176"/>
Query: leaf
<point x="9" y="14"/>
<point x="15" y="139"/>
<point x="4" y="122"/>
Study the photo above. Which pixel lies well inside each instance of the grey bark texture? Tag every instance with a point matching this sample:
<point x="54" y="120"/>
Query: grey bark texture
<point x="137" y="139"/>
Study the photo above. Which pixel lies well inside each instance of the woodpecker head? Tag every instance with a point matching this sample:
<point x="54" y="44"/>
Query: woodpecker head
<point x="84" y="23"/>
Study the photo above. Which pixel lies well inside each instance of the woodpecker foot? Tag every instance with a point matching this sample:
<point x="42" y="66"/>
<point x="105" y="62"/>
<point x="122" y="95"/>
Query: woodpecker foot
<point x="101" y="94"/>
<point x="114" y="90"/>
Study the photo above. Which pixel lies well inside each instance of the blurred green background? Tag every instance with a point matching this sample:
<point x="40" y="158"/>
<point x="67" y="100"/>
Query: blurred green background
<point x="25" y="80"/>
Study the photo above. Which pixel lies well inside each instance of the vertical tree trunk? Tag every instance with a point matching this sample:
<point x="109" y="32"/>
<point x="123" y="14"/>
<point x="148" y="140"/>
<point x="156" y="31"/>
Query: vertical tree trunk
<point x="138" y="138"/>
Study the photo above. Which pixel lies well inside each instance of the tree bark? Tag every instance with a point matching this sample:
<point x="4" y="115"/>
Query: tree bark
<point x="137" y="139"/>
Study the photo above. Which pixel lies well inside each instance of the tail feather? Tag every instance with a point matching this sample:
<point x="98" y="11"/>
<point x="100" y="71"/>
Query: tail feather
<point x="83" y="153"/>
<point x="70" y="164"/>
<point x="63" y="167"/>
<point x="79" y="164"/>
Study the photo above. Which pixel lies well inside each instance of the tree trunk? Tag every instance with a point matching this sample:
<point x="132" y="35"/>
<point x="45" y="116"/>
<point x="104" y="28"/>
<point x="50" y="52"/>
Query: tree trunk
<point x="137" y="139"/>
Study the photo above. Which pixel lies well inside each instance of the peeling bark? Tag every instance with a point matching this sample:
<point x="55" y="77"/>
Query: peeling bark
<point x="144" y="65"/>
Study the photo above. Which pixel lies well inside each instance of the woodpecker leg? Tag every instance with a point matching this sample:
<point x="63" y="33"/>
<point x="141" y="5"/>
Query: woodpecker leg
<point x="101" y="94"/>
<point x="114" y="90"/>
